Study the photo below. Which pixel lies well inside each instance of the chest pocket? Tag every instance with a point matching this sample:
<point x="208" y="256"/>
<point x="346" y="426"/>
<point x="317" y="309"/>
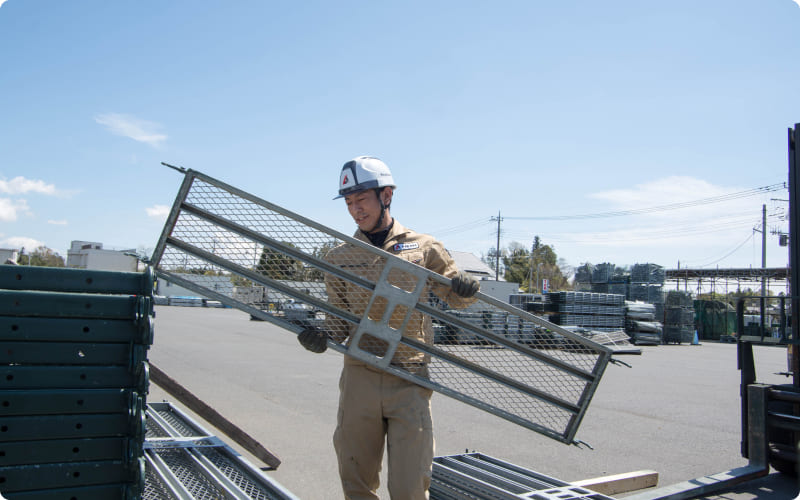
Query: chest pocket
<point x="414" y="256"/>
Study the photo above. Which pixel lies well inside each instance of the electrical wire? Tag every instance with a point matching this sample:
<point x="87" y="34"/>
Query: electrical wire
<point x="467" y="226"/>
<point x="740" y="245"/>
<point x="661" y="208"/>
<point x="670" y="231"/>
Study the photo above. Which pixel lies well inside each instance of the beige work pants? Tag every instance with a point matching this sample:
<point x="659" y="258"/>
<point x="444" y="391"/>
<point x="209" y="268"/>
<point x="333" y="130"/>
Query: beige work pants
<point x="376" y="407"/>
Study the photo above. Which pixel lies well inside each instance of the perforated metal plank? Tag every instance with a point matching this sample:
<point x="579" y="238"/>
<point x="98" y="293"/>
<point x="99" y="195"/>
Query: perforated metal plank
<point x="138" y="331"/>
<point x="71" y="353"/>
<point x="72" y="377"/>
<point x="68" y="401"/>
<point x="187" y="462"/>
<point x="543" y="380"/>
<point x="76" y="280"/>
<point x="479" y="476"/>
<point x="102" y="492"/>
<point x="68" y="450"/>
<point x="44" y="476"/>
<point x="69" y="305"/>
<point x="71" y="426"/>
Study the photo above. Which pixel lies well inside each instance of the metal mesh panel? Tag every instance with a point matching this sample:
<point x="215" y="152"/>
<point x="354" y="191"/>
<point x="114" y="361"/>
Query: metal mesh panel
<point x="234" y="247"/>
<point x="205" y="468"/>
<point x="154" y="486"/>
<point x="188" y="473"/>
<point x="237" y="475"/>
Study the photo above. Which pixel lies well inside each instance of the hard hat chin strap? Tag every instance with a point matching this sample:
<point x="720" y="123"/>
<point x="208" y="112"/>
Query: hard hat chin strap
<point x="383" y="211"/>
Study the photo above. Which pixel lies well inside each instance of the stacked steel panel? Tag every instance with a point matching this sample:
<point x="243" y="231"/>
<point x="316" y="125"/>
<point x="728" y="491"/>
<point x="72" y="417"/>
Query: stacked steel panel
<point x="475" y="475"/>
<point x="75" y="379"/>
<point x="647" y="283"/>
<point x="600" y="311"/>
<point x="678" y="318"/>
<point x="641" y="324"/>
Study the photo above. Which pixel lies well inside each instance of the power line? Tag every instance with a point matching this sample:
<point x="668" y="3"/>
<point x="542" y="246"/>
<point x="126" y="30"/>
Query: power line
<point x="662" y="208"/>
<point x="740" y="245"/>
<point x="667" y="231"/>
<point x="467" y="226"/>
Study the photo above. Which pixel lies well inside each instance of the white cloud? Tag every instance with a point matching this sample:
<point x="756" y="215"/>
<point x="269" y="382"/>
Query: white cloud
<point x="10" y="209"/>
<point x="671" y="197"/>
<point x="132" y="128"/>
<point x="157" y="211"/>
<point x="57" y="222"/>
<point x="2" y="2"/>
<point x="20" y="185"/>
<point x="17" y="242"/>
<point x="663" y="191"/>
<point x="797" y="2"/>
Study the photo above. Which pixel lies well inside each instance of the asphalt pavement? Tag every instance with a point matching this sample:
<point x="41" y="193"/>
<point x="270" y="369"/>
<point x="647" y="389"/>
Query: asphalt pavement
<point x="675" y="411"/>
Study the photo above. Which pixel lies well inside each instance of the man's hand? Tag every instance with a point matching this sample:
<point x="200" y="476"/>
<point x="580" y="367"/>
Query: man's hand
<point x="313" y="339"/>
<point x="464" y="285"/>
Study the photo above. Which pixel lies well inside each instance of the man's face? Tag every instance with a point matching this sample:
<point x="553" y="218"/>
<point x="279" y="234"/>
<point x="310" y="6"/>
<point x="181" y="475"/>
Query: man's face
<point x="365" y="208"/>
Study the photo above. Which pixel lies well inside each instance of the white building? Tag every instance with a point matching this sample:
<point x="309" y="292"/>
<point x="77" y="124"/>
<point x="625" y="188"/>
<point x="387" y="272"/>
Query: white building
<point x="500" y="290"/>
<point x="8" y="256"/>
<point x="91" y="255"/>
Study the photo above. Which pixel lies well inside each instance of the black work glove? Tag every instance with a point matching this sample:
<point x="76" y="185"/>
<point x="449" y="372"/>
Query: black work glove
<point x="313" y="339"/>
<point x="464" y="285"/>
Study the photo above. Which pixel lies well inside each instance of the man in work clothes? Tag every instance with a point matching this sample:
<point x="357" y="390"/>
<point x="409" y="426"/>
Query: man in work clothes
<point x="376" y="407"/>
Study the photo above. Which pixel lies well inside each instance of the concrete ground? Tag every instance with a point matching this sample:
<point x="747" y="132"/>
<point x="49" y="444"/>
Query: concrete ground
<point x="676" y="411"/>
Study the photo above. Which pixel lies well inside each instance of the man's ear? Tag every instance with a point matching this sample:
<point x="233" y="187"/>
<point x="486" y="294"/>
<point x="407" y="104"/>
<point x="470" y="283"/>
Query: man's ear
<point x="386" y="195"/>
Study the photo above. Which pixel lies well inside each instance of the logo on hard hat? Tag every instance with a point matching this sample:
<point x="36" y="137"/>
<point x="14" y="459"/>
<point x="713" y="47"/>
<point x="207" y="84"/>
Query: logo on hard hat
<point x="345" y="180"/>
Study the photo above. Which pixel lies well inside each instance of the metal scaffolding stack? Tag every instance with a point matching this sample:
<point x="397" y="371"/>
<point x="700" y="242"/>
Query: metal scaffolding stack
<point x="544" y="384"/>
<point x="479" y="476"/>
<point x="599" y="311"/>
<point x="186" y="462"/>
<point x="75" y="379"/>
<point x="678" y="318"/>
<point x="641" y="324"/>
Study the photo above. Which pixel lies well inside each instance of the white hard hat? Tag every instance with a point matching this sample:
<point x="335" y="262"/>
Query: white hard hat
<point x="364" y="172"/>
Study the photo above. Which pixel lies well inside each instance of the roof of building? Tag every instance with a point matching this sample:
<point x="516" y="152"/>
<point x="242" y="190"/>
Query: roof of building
<point x="468" y="262"/>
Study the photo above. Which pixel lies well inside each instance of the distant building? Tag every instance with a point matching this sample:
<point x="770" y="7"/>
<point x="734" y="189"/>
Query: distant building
<point x="91" y="255"/>
<point x="8" y="256"/>
<point x="500" y="290"/>
<point x="471" y="264"/>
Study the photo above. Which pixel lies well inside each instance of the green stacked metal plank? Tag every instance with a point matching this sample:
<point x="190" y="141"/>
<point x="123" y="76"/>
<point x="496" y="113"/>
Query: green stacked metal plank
<point x="102" y="492"/>
<point x="73" y="382"/>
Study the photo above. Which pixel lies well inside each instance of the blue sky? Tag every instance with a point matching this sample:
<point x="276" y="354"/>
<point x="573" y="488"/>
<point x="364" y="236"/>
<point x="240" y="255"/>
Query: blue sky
<point x="536" y="110"/>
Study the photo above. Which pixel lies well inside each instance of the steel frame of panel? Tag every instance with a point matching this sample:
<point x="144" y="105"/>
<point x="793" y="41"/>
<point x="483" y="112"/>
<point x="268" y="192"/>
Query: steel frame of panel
<point x="475" y="475"/>
<point x="588" y="379"/>
<point x="190" y="449"/>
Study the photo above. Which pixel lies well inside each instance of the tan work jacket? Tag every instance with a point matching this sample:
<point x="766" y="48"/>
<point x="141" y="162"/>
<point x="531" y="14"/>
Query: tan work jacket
<point x="420" y="249"/>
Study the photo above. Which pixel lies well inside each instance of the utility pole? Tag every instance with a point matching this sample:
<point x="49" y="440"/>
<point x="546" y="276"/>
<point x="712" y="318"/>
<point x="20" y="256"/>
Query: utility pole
<point x="530" y="268"/>
<point x="497" y="249"/>
<point x="763" y="231"/>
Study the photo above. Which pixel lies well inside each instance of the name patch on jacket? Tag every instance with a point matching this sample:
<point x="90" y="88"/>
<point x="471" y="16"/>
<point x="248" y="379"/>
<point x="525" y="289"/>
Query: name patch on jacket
<point x="405" y="246"/>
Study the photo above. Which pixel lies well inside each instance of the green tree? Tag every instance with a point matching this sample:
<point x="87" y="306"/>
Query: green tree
<point x="42" y="256"/>
<point x="312" y="273"/>
<point x="517" y="264"/>
<point x="530" y="267"/>
<point x="490" y="259"/>
<point x="279" y="266"/>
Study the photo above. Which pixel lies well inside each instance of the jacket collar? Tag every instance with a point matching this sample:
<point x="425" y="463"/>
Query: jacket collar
<point x="398" y="230"/>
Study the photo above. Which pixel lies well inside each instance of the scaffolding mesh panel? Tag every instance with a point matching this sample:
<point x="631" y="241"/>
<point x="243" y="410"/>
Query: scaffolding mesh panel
<point x="228" y="245"/>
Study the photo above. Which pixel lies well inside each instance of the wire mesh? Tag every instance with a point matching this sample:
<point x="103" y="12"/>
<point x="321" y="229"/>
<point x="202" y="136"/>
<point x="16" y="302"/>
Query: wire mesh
<point x="377" y="307"/>
<point x="201" y="478"/>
